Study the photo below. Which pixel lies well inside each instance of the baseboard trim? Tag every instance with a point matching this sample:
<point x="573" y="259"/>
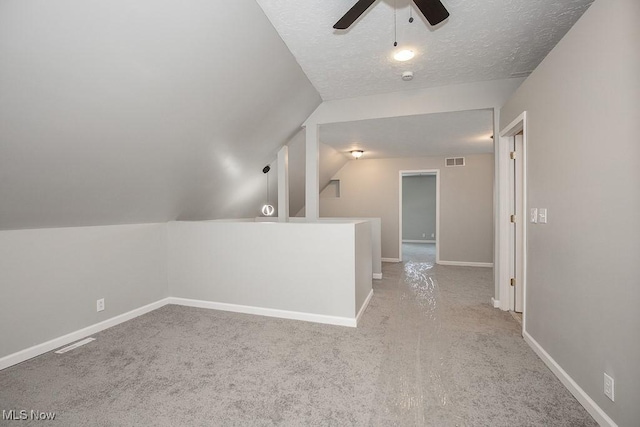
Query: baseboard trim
<point x="390" y="259"/>
<point x="377" y="276"/>
<point x="495" y="302"/>
<point x="268" y="312"/>
<point x="39" y="349"/>
<point x="581" y="396"/>
<point x="418" y="241"/>
<point x="466" y="264"/>
<point x="364" y="306"/>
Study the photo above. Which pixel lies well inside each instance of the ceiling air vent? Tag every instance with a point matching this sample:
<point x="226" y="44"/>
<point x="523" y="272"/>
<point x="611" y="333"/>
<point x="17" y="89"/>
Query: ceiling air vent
<point x="454" y="161"/>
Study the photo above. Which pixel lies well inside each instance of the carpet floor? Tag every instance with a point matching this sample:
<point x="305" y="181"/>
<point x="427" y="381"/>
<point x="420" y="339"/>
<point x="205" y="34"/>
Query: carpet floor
<point x="430" y="351"/>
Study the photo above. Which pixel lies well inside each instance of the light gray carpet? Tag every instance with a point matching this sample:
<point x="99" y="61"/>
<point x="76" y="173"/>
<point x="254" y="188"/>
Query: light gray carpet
<point x="430" y="351"/>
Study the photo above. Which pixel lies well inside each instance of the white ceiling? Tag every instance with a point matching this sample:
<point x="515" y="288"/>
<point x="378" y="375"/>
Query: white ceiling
<point x="481" y="40"/>
<point x="456" y="133"/>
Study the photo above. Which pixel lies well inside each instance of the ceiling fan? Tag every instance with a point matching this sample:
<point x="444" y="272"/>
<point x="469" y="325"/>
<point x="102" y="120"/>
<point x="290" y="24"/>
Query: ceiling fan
<point x="433" y="10"/>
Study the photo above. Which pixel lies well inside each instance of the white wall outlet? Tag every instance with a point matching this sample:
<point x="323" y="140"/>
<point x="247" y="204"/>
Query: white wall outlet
<point x="433" y="235"/>
<point x="608" y="387"/>
<point x="533" y="215"/>
<point x="542" y="215"/>
<point x="424" y="234"/>
<point x="100" y="304"/>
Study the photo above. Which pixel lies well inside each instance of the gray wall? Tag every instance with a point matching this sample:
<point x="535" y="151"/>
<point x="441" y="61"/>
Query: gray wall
<point x="583" y="110"/>
<point x="370" y="188"/>
<point x="330" y="160"/>
<point x="171" y="112"/>
<point x="419" y="207"/>
<point x="218" y="262"/>
<point x="50" y="279"/>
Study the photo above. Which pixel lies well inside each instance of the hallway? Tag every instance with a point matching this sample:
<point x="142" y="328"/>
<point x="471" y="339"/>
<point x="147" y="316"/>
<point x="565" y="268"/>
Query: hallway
<point x="452" y="359"/>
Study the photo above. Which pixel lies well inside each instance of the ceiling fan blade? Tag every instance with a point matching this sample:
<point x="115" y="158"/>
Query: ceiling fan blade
<point x="353" y="14"/>
<point x="433" y="10"/>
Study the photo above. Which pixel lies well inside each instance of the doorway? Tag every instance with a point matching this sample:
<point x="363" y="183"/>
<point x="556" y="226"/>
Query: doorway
<point x="419" y="214"/>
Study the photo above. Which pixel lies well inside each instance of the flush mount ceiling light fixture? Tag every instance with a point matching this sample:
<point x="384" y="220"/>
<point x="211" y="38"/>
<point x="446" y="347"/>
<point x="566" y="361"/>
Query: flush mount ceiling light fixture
<point x="357" y="153"/>
<point x="403" y="55"/>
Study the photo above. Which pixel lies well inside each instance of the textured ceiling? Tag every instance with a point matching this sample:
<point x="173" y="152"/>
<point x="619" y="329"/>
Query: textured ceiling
<point x="481" y="40"/>
<point x="464" y="132"/>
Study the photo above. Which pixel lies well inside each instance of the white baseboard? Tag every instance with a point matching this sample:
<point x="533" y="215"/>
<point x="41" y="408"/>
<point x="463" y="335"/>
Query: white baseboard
<point x="390" y="259"/>
<point x="377" y="276"/>
<point x="466" y="264"/>
<point x="581" y="396"/>
<point x="37" y="350"/>
<point x="269" y="312"/>
<point x="364" y="306"/>
<point x="495" y="302"/>
<point x="418" y="241"/>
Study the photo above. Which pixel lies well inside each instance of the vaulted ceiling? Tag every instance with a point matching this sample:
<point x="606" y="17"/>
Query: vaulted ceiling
<point x="133" y="111"/>
<point x="127" y="111"/>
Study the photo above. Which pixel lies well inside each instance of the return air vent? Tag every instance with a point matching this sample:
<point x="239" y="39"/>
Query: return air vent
<point x="75" y="345"/>
<point x="454" y="161"/>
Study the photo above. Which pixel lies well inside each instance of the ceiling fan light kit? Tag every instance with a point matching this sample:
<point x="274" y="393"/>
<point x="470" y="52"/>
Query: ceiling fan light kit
<point x="403" y="55"/>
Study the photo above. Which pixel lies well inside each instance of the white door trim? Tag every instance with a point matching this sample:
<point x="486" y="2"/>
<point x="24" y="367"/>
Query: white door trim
<point x="435" y="172"/>
<point x="517" y="303"/>
<point x="504" y="211"/>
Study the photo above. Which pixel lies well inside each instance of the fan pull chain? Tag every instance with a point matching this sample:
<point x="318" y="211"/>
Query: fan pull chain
<point x="395" y="24"/>
<point x="410" y="13"/>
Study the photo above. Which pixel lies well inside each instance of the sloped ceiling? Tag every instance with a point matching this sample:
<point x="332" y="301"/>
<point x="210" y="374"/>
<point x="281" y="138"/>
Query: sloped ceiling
<point x="118" y="112"/>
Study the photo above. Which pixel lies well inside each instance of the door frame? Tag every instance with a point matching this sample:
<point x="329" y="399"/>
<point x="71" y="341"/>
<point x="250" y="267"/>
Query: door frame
<point x="519" y="124"/>
<point x="516" y="192"/>
<point x="435" y="172"/>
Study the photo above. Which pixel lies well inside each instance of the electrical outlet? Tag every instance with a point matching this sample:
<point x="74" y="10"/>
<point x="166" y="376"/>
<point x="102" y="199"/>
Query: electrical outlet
<point x="424" y="234"/>
<point x="533" y="215"/>
<point x="608" y="387"/>
<point x="100" y="304"/>
<point x="433" y="235"/>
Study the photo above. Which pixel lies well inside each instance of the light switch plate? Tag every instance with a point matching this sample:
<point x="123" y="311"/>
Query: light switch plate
<point x="542" y="215"/>
<point x="533" y="216"/>
<point x="609" y="387"/>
